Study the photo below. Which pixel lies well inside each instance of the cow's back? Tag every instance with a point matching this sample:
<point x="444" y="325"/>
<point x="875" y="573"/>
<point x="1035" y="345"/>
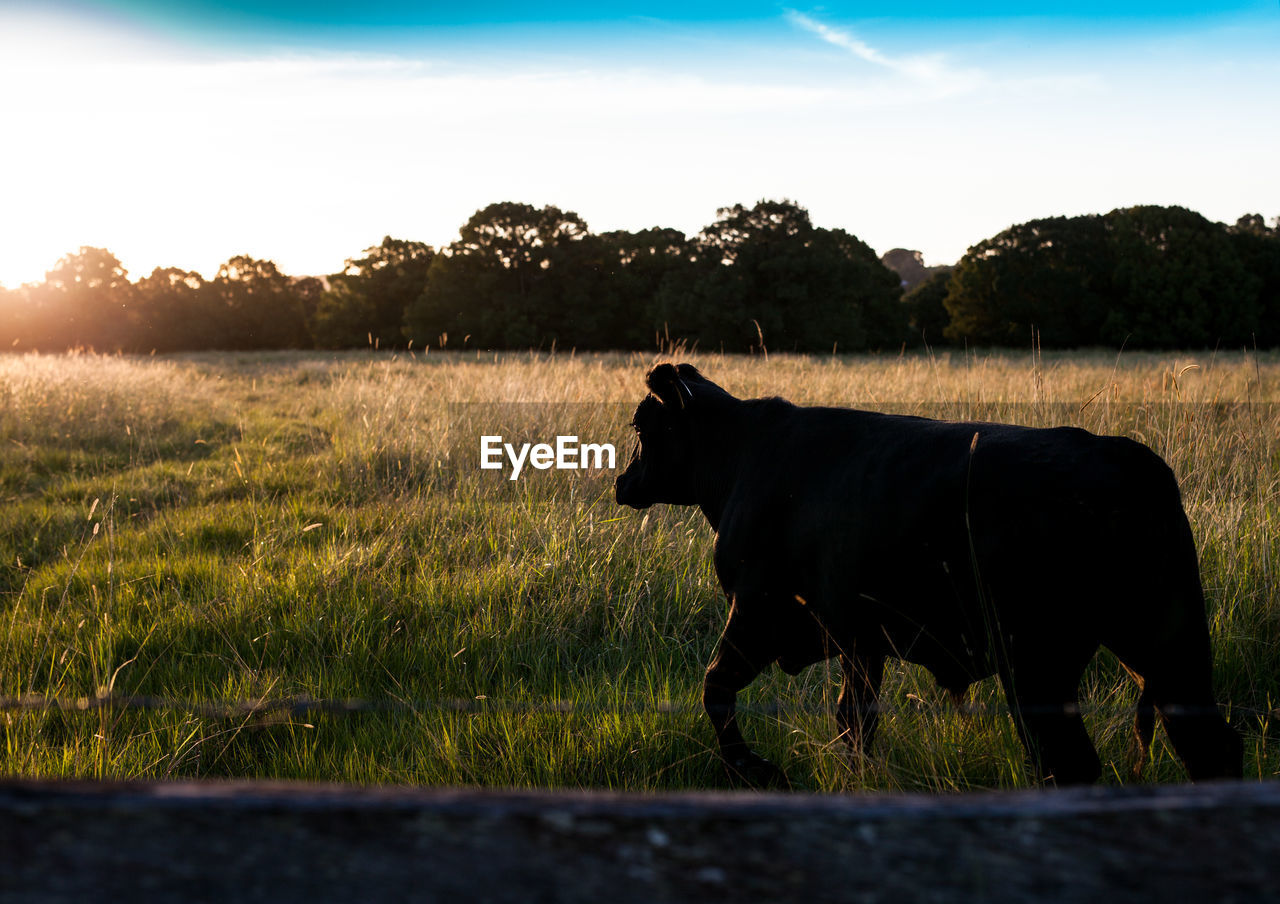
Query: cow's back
<point x="895" y="479"/>
<point x="893" y="522"/>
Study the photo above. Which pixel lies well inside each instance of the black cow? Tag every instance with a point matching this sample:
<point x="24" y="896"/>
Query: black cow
<point x="970" y="548"/>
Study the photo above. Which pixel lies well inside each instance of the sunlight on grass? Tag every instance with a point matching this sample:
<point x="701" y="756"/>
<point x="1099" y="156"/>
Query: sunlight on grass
<point x="210" y="530"/>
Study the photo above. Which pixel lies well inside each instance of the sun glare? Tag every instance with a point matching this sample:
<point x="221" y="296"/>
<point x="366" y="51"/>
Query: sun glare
<point x="173" y="154"/>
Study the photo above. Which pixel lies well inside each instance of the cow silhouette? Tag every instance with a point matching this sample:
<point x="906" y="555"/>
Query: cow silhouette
<point x="971" y="549"/>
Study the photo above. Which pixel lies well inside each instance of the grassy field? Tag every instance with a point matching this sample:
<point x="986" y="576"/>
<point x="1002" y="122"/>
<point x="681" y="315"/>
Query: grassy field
<point x="292" y="566"/>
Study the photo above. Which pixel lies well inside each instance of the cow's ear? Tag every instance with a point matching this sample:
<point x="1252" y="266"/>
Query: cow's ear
<point x="698" y="385"/>
<point x="666" y="383"/>
<point x="691" y="374"/>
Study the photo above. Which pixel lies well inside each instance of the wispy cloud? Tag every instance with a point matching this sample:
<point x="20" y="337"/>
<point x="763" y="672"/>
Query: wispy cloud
<point x="931" y="71"/>
<point x="308" y="155"/>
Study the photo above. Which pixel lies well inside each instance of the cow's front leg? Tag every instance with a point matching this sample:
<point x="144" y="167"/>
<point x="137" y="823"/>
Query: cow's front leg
<point x="858" y="704"/>
<point x="745" y="648"/>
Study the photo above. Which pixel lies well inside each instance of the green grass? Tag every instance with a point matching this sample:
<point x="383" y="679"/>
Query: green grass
<point x="201" y="531"/>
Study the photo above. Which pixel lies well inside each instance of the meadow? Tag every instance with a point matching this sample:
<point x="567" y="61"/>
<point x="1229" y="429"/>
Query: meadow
<point x="290" y="565"/>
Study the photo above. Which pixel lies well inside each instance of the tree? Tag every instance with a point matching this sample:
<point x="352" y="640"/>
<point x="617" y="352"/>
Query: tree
<point x="1254" y="224"/>
<point x="926" y="309"/>
<point x="345" y="316"/>
<point x="514" y="278"/>
<point x="1154" y="277"/>
<point x="1178" y="281"/>
<point x="1258" y="248"/>
<point x="637" y="266"/>
<point x="753" y="231"/>
<point x="255" y="306"/>
<point x="367" y="301"/>
<point x="13" y="318"/>
<point x="767" y="272"/>
<point x="1052" y="275"/>
<point x="171" y="306"/>
<point x="86" y="300"/>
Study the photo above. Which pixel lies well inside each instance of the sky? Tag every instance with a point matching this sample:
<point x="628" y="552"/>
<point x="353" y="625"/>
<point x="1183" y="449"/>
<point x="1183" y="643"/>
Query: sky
<point x="183" y="133"/>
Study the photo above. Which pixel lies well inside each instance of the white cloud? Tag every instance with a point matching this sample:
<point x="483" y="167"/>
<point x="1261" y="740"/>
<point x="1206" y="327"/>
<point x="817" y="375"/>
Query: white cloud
<point x="174" y="158"/>
<point x="927" y="70"/>
<point x="309" y="159"/>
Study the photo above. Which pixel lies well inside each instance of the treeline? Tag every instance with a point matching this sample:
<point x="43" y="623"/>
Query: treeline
<point x="1150" y="277"/>
<point x="764" y="276"/>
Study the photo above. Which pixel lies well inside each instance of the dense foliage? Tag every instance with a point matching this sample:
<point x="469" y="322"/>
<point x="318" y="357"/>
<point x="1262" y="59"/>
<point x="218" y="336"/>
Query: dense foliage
<point x="1153" y="277"/>
<point x="757" y="278"/>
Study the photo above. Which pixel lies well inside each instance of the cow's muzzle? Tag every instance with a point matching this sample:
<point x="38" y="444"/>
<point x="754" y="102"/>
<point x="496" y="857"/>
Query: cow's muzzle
<point x="626" y="492"/>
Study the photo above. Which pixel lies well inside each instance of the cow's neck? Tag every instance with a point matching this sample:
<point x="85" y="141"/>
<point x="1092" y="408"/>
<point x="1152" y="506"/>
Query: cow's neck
<point x="713" y="509"/>
<point x="720" y="443"/>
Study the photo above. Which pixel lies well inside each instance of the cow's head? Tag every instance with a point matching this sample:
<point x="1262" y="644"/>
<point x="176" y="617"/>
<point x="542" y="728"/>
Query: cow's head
<point x="661" y="467"/>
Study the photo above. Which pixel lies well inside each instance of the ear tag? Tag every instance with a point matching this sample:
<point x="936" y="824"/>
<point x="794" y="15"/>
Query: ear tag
<point x="685" y="387"/>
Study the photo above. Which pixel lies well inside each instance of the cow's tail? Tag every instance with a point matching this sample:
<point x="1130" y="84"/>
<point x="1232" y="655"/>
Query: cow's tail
<point x="1144" y="722"/>
<point x="1144" y="729"/>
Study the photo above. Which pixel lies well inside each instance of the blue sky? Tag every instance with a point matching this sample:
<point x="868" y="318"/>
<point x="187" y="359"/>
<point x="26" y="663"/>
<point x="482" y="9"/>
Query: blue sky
<point x="401" y="13"/>
<point x="183" y="133"/>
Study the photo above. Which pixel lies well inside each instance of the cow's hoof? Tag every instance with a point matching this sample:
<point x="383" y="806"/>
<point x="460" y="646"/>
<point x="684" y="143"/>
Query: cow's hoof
<point x="754" y="771"/>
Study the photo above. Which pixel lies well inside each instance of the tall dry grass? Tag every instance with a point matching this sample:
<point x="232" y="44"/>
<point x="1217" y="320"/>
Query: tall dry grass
<point x="199" y="531"/>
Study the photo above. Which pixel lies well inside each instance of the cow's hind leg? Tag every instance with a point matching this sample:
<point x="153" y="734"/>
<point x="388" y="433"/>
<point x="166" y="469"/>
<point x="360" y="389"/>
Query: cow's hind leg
<point x="745" y="648"/>
<point x="1206" y="744"/>
<point x="856" y="708"/>
<point x="1043" y="694"/>
<point x="1177" y="682"/>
